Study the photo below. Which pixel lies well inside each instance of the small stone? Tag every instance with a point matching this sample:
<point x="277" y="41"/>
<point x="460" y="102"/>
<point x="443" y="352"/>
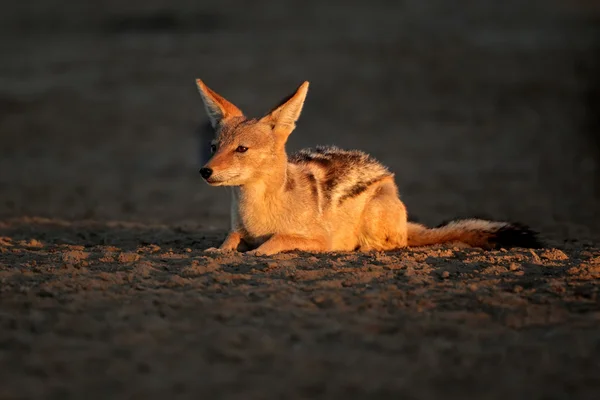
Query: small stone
<point x="518" y="289"/>
<point x="554" y="254"/>
<point x="34" y="243"/>
<point x="74" y="256"/>
<point x="128" y="257"/>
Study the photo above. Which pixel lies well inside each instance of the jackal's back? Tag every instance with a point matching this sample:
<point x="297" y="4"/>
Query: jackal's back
<point x="339" y="175"/>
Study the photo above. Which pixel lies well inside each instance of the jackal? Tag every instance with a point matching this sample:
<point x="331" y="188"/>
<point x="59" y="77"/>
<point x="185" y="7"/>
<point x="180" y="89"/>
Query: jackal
<point x="319" y="199"/>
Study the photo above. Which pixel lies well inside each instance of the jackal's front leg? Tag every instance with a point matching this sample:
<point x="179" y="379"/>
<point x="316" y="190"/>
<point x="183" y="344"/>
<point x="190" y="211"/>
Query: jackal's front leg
<point x="231" y="243"/>
<point x="278" y="243"/>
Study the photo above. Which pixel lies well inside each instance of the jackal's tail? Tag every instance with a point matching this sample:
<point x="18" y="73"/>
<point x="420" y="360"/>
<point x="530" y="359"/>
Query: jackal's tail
<point x="474" y="232"/>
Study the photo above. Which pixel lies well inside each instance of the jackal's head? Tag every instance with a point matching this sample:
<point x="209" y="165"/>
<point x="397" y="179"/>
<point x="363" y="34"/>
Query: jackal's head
<point x="246" y="150"/>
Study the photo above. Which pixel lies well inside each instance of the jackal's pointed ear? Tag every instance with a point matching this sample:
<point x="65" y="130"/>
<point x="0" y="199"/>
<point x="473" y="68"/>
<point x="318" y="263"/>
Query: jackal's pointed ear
<point x="216" y="106"/>
<point x="284" y="116"/>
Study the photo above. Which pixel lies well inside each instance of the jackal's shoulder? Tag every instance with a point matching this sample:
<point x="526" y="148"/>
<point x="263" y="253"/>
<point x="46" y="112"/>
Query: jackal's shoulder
<point x="328" y="155"/>
<point x="340" y="174"/>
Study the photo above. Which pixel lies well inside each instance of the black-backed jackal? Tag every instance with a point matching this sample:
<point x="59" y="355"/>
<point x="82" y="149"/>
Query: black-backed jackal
<point x="319" y="199"/>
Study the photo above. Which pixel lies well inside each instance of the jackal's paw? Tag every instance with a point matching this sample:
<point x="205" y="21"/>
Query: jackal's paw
<point x="254" y="253"/>
<point x="260" y="252"/>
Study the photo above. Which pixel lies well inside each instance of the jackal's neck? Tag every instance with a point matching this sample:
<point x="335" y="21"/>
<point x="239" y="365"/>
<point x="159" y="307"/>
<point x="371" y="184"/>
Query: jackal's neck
<point x="271" y="184"/>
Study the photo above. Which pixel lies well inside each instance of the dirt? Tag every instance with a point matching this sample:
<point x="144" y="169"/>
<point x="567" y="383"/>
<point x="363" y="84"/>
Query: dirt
<point x="480" y="108"/>
<point x="127" y="311"/>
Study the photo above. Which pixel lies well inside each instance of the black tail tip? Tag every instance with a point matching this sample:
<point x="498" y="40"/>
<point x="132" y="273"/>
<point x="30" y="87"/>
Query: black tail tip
<point x="517" y="235"/>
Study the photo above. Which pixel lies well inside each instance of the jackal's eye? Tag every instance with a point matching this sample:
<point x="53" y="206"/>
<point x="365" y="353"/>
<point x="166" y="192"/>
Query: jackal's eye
<point x="241" y="149"/>
<point x="213" y="148"/>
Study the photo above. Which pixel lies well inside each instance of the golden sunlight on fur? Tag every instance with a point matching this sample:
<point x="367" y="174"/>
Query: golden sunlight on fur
<point x="319" y="199"/>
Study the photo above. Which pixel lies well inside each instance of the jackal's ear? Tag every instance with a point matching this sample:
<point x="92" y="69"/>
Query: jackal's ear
<point x="284" y="116"/>
<point x="216" y="106"/>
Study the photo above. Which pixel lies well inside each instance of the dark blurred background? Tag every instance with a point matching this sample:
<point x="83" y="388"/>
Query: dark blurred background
<point x="481" y="107"/>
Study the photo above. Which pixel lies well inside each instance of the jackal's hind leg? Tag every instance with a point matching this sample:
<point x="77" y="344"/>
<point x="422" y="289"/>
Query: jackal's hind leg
<point x="384" y="221"/>
<point x="278" y="243"/>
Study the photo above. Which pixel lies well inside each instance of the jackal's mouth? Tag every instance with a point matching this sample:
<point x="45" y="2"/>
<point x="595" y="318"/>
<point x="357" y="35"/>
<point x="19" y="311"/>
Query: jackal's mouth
<point x="215" y="181"/>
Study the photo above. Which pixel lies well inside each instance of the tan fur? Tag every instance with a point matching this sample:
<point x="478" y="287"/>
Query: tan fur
<point x="474" y="232"/>
<point x="321" y="199"/>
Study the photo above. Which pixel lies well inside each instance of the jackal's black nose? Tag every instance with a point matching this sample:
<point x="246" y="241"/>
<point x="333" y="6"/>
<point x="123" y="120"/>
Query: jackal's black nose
<point x="205" y="172"/>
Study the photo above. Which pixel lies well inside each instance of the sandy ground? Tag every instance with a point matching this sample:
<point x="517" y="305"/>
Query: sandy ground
<point x="479" y="107"/>
<point x="123" y="311"/>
